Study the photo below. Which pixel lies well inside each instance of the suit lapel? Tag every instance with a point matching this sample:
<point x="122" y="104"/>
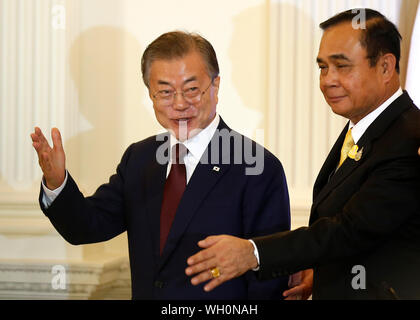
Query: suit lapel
<point x="330" y="164"/>
<point x="348" y="166"/>
<point x="323" y="186"/>
<point x="205" y="177"/>
<point x="154" y="182"/>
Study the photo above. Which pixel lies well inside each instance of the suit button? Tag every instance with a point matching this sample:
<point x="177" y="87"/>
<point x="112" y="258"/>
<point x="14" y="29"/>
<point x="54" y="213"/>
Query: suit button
<point x="159" y="284"/>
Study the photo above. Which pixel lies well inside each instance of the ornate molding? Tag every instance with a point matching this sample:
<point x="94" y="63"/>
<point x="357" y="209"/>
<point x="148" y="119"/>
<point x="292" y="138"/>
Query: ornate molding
<point x="26" y="226"/>
<point x="100" y="279"/>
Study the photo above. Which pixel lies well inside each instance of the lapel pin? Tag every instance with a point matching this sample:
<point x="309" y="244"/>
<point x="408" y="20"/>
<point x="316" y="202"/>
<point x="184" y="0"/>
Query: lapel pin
<point x="358" y="155"/>
<point x="352" y="153"/>
<point x="355" y="154"/>
<point x="217" y="169"/>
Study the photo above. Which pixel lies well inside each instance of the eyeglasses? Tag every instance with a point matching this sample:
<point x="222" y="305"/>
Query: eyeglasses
<point x="191" y="95"/>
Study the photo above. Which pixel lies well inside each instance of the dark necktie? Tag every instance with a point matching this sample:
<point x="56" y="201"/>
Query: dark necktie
<point x="172" y="193"/>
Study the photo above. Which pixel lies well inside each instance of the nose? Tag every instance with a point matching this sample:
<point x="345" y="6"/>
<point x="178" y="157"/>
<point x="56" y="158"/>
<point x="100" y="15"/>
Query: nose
<point x="180" y="103"/>
<point x="329" y="78"/>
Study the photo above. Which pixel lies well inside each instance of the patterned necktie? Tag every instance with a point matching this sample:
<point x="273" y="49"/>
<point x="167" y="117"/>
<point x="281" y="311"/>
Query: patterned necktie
<point x="172" y="193"/>
<point x="347" y="146"/>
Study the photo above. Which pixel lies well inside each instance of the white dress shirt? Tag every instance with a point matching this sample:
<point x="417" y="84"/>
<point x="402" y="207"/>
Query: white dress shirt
<point x="359" y="129"/>
<point x="196" y="147"/>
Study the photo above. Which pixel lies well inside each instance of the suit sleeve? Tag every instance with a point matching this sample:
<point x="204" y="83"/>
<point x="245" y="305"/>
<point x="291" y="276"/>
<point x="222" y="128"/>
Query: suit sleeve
<point x="386" y="200"/>
<point x="266" y="210"/>
<point x="97" y="218"/>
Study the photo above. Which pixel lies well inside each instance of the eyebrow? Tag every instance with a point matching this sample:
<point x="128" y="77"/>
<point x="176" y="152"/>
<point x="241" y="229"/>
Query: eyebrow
<point x="193" y="78"/>
<point x="339" y="57"/>
<point x="334" y="57"/>
<point x="164" y="82"/>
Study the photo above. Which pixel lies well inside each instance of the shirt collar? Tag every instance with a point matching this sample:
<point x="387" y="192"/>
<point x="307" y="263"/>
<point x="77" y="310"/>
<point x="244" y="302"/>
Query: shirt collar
<point x="198" y="144"/>
<point x="359" y="129"/>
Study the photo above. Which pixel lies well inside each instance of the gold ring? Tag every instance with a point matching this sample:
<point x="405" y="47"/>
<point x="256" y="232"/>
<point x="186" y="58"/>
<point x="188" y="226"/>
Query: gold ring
<point x="215" y="272"/>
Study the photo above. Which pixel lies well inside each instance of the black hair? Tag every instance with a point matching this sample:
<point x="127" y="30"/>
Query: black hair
<point x="177" y="44"/>
<point x="379" y="37"/>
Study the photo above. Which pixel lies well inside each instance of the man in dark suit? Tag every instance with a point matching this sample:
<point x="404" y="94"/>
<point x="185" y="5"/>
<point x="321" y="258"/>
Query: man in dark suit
<point x="171" y="190"/>
<point x="363" y="239"/>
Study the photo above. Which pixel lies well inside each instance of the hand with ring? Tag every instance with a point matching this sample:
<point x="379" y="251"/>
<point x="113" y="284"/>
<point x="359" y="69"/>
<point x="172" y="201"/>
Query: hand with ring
<point x="215" y="272"/>
<point x="234" y="256"/>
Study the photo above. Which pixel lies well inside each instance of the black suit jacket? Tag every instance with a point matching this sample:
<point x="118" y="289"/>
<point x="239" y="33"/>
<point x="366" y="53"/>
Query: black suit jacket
<point x="219" y="199"/>
<point x="366" y="214"/>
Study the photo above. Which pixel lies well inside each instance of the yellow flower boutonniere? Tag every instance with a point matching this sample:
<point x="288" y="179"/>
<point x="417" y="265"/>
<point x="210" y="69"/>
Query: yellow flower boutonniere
<point x="355" y="154"/>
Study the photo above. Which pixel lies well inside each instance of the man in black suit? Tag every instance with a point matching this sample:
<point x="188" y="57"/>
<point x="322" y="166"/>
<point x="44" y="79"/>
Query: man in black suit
<point x="363" y="239"/>
<point x="171" y="190"/>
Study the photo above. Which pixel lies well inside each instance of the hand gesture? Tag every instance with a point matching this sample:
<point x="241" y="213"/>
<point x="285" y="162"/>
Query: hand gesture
<point x="51" y="160"/>
<point x="230" y="256"/>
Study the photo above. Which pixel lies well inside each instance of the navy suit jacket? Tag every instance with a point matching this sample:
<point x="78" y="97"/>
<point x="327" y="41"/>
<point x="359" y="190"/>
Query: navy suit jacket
<point x="216" y="201"/>
<point x="365" y="216"/>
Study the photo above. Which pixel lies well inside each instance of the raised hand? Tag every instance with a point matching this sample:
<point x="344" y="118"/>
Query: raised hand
<point x="51" y="160"/>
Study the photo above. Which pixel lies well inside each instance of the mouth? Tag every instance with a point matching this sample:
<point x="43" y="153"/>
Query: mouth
<point x="181" y="128"/>
<point x="335" y="99"/>
<point x="182" y="119"/>
<point x="182" y="122"/>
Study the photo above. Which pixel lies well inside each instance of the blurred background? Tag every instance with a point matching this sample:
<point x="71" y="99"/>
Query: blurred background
<point x="75" y="65"/>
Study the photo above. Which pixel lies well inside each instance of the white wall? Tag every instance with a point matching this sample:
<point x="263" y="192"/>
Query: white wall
<point x="85" y="79"/>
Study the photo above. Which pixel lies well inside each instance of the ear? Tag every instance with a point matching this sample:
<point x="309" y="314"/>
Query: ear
<point x="150" y="94"/>
<point x="216" y="83"/>
<point x="387" y="64"/>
